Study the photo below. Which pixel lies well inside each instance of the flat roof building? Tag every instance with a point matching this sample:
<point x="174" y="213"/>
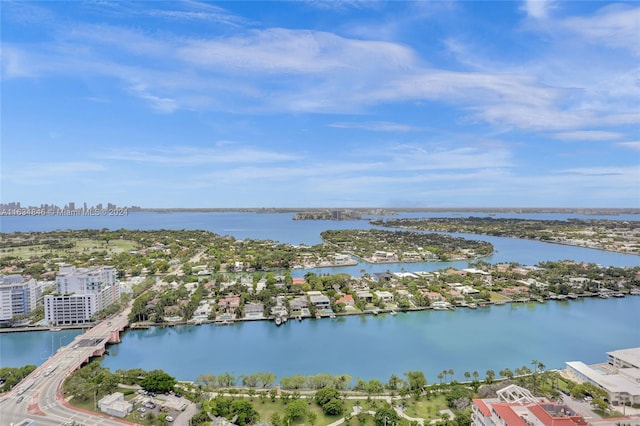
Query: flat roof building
<point x="619" y="377"/>
<point x="18" y="296"/>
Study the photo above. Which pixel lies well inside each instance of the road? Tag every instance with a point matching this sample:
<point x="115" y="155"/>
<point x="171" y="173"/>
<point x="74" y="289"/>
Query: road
<point x="43" y="402"/>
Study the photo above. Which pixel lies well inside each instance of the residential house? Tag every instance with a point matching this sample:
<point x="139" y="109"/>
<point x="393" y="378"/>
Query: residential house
<point x="254" y="310"/>
<point x="385" y="296"/>
<point x="298" y="304"/>
<point x="347" y="299"/>
<point x="365" y="296"/>
<point x="229" y="304"/>
<point x="319" y="300"/>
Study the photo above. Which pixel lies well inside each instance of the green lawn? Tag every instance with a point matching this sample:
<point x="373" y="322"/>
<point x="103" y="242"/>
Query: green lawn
<point x="424" y="408"/>
<point x="268" y="408"/>
<point x="81" y="246"/>
<point x="497" y="297"/>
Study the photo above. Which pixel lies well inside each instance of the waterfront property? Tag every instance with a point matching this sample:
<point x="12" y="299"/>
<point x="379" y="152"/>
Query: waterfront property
<point x="516" y="406"/>
<point x="18" y="296"/>
<point x="619" y="377"/>
<point x="81" y="293"/>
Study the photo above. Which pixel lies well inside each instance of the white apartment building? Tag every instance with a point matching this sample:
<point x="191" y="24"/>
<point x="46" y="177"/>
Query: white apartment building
<point x="18" y="296"/>
<point x="620" y="376"/>
<point x="80" y="294"/>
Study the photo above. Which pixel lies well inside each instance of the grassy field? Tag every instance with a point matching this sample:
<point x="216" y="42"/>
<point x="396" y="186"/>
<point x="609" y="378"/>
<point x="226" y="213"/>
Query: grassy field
<point x="426" y="408"/>
<point x="80" y="246"/>
<point x="497" y="297"/>
<point x="268" y="408"/>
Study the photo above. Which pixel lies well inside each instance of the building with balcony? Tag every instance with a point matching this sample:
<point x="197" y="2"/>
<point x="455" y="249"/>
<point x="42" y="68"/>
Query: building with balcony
<point x="18" y="296"/>
<point x="619" y="376"/>
<point x="80" y="294"/>
<point x="516" y="406"/>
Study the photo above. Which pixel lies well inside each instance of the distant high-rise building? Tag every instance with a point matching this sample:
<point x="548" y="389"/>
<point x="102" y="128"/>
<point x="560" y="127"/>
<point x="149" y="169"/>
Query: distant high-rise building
<point x="72" y="205"/>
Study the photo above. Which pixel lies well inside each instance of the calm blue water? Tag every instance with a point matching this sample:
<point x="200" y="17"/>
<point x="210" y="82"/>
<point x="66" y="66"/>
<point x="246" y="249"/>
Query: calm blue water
<point x="34" y="347"/>
<point x="378" y="346"/>
<point x="368" y="347"/>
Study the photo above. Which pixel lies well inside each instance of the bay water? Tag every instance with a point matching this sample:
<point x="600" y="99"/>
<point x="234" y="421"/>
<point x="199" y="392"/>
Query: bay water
<point x="362" y="346"/>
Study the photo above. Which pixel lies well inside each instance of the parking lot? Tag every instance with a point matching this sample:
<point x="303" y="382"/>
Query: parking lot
<point x="171" y="405"/>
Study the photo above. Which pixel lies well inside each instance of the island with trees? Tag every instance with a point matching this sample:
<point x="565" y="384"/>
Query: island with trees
<point x="611" y="235"/>
<point x="380" y="246"/>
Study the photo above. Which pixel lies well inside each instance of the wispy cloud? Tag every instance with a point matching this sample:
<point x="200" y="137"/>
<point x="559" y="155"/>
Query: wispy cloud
<point x="588" y="135"/>
<point x="634" y="145"/>
<point x="537" y="9"/>
<point x="190" y="156"/>
<point x="375" y="126"/>
<point x="615" y="25"/>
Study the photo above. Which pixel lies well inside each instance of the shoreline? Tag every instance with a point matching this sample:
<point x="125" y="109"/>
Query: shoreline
<point x="294" y="318"/>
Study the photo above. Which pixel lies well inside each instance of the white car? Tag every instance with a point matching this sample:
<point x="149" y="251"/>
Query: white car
<point x="169" y="419"/>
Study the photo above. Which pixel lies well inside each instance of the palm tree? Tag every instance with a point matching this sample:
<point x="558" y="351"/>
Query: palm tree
<point x="475" y="375"/>
<point x="467" y="375"/>
<point x="440" y="376"/>
<point x="451" y="373"/>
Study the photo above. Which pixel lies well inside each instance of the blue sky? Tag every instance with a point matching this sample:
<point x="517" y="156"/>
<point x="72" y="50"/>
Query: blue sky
<point x="318" y="103"/>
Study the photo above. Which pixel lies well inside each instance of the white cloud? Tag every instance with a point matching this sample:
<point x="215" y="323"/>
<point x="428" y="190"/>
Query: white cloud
<point x="634" y="145"/>
<point x="615" y="25"/>
<point x="588" y="135"/>
<point x="190" y="156"/>
<point x="537" y="9"/>
<point x="375" y="126"/>
<point x="279" y="50"/>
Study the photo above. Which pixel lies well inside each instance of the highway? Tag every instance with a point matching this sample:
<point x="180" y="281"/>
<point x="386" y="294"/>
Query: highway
<point x="43" y="401"/>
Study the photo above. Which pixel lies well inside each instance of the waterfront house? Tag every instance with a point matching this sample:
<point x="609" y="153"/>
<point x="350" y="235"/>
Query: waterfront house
<point x="347" y="299"/>
<point x="254" y="311"/>
<point x="319" y="300"/>
<point x="342" y="259"/>
<point x="384" y="256"/>
<point x="385" y="296"/>
<point x="298" y="304"/>
<point x="229" y="303"/>
<point x="433" y="295"/>
<point x="365" y="296"/>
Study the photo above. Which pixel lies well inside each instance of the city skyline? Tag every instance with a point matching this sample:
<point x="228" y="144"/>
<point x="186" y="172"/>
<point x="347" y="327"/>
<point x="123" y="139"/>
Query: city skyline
<point x="283" y="104"/>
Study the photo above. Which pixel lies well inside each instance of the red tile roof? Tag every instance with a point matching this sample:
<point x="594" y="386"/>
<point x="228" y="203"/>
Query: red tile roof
<point x="482" y="407"/>
<point x="508" y="415"/>
<point x="347" y="299"/>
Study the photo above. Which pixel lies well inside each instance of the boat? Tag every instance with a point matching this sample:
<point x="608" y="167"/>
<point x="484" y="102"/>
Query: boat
<point x="618" y="295"/>
<point x="572" y="296"/>
<point x="392" y="312"/>
<point x="300" y="318"/>
<point x="278" y="320"/>
<point x="603" y="296"/>
<point x="472" y="306"/>
<point x="55" y="329"/>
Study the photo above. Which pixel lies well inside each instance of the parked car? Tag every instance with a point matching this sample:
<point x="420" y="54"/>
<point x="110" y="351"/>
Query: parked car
<point x="169" y="419"/>
<point x="142" y="410"/>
